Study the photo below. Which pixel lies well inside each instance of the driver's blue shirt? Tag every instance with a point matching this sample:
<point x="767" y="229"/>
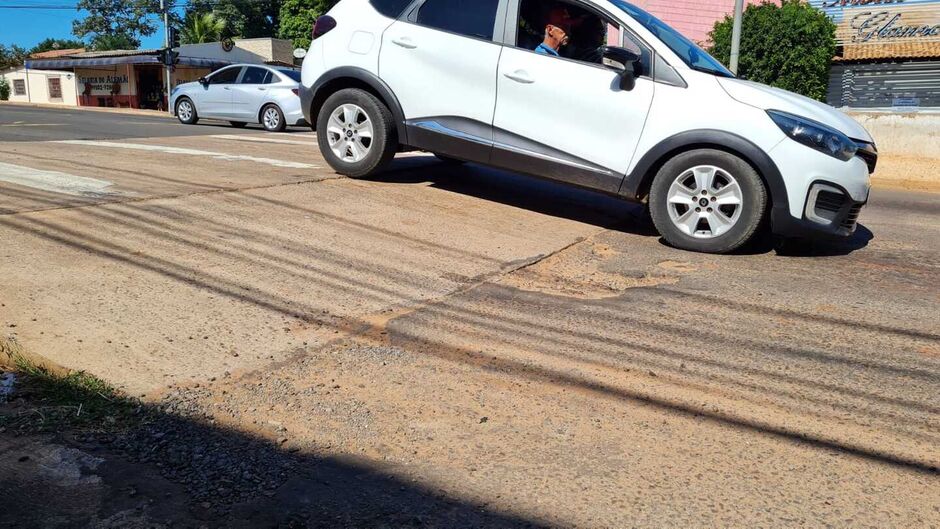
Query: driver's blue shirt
<point x="546" y="50"/>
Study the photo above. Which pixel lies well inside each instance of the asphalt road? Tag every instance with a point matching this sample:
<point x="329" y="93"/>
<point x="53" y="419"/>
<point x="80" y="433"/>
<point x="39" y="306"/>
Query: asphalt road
<point x="527" y="350"/>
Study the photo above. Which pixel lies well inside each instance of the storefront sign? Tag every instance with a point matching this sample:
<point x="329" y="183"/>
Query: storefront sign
<point x="887" y="26"/>
<point x="103" y="84"/>
<point x="876" y="29"/>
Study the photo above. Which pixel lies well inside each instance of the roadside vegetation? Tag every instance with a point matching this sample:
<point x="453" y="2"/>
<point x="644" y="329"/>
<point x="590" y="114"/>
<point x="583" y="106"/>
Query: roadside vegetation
<point x="43" y="400"/>
<point x="789" y="46"/>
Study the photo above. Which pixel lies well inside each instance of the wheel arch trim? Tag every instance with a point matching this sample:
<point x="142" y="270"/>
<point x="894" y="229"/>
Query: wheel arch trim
<point x="637" y="183"/>
<point x="333" y="81"/>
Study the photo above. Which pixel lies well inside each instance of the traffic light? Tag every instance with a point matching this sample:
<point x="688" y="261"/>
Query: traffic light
<point x="174" y="37"/>
<point x="170" y="57"/>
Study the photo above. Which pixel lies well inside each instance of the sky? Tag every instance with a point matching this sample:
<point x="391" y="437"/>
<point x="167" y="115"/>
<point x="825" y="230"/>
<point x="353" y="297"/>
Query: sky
<point x="27" y="27"/>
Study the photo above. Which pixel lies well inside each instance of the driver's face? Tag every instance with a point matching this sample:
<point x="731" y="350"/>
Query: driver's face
<point x="558" y="35"/>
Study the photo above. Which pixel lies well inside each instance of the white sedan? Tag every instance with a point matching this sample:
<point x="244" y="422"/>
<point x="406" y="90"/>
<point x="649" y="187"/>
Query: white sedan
<point x="242" y="94"/>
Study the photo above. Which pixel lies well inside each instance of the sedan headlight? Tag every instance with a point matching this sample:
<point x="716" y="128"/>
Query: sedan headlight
<point x="815" y="135"/>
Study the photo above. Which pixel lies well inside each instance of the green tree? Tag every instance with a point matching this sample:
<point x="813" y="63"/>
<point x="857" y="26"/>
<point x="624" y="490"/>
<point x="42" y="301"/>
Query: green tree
<point x="199" y="28"/>
<point x="108" y="21"/>
<point x="117" y="41"/>
<point x="11" y="56"/>
<point x="57" y="44"/>
<point x="788" y="46"/>
<point x="297" y="18"/>
<point x="4" y="89"/>
<point x="243" y="18"/>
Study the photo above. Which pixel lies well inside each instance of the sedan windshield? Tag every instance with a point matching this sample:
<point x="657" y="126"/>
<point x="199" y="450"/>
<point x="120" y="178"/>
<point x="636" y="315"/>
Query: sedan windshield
<point x="695" y="57"/>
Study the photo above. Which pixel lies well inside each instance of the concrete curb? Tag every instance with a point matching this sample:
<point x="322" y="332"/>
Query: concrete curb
<point x="125" y="111"/>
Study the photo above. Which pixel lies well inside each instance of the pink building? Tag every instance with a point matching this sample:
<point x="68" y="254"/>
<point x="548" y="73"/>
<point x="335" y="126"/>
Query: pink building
<point x="693" y="18"/>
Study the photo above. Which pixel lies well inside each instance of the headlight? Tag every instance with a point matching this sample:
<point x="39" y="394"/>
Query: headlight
<point x="815" y="135"/>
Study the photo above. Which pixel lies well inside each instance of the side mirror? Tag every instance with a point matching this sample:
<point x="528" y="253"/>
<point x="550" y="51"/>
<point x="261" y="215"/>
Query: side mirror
<point x="624" y="61"/>
<point x="203" y="81"/>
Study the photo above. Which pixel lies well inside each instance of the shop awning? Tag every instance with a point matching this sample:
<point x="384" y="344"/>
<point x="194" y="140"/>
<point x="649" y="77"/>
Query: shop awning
<point x="59" y="64"/>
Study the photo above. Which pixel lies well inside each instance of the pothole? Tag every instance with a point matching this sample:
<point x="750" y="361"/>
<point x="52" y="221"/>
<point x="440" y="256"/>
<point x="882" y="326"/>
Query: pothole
<point x="578" y="272"/>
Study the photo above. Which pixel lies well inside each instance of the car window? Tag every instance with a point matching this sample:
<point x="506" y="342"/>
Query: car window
<point x="563" y="29"/>
<point x="293" y="75"/>
<point x="390" y="8"/>
<point x="473" y="18"/>
<point x="226" y="76"/>
<point x="253" y="75"/>
<point x="269" y="77"/>
<point x="690" y="53"/>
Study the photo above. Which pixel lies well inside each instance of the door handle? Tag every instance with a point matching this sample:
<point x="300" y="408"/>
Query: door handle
<point x="520" y="76"/>
<point x="405" y="42"/>
<point x="262" y="88"/>
<point x="226" y="88"/>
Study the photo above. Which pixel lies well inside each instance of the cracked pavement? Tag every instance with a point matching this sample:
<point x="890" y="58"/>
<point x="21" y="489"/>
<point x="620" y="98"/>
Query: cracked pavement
<point x="531" y="350"/>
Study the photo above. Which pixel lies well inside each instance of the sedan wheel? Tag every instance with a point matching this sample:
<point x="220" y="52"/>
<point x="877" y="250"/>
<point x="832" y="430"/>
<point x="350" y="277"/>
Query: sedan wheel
<point x="272" y="119"/>
<point x="186" y="112"/>
<point x="350" y="133"/>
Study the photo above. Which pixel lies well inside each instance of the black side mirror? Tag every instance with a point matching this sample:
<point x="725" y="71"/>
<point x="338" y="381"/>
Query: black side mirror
<point x="203" y="81"/>
<point x="624" y="61"/>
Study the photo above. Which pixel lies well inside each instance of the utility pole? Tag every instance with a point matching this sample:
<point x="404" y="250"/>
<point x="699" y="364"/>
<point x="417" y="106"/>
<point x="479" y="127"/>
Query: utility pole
<point x="164" y="6"/>
<point x="736" y="35"/>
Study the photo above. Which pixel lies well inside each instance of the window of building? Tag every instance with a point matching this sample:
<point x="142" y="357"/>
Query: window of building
<point x="254" y="75"/>
<point x="473" y="18"/>
<point x="19" y="87"/>
<point x="573" y="32"/>
<point x="55" y="88"/>
<point x="390" y="8"/>
<point x="226" y="76"/>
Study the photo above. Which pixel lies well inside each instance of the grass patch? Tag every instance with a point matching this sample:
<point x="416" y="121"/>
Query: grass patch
<point x="44" y="401"/>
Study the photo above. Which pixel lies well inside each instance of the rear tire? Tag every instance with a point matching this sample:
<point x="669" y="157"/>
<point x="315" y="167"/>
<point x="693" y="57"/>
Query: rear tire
<point x="356" y="133"/>
<point x="272" y="119"/>
<point x="707" y="201"/>
<point x="186" y="111"/>
<point x="238" y="124"/>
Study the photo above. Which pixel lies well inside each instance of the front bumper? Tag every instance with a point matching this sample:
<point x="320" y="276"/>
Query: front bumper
<point x="825" y="195"/>
<point x="829" y="211"/>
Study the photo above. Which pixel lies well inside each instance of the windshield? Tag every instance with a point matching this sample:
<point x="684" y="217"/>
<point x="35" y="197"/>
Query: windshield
<point x="695" y="57"/>
<point x="293" y="74"/>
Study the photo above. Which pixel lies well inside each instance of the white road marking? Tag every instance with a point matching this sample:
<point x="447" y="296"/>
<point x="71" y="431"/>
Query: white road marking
<point x="54" y="181"/>
<point x="190" y="152"/>
<point x="21" y="124"/>
<point x="259" y="139"/>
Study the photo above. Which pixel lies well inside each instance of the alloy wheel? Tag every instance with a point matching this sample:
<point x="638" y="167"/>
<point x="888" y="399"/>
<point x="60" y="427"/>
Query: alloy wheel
<point x="184" y="110"/>
<point x="272" y="118"/>
<point x="350" y="133"/>
<point x="705" y="202"/>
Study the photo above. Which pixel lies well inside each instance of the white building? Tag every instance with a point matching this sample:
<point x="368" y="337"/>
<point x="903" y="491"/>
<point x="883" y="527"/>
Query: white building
<point x="132" y="78"/>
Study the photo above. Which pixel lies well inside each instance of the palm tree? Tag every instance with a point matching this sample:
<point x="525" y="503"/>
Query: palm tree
<point x="199" y="28"/>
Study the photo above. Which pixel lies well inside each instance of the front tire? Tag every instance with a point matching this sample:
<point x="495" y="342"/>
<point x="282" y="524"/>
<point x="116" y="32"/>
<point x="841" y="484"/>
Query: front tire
<point x="272" y="119"/>
<point x="186" y="111"/>
<point x="356" y="133"/>
<point x="707" y="201"/>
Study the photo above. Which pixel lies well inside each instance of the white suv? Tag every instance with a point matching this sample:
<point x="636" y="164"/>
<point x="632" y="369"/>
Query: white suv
<point x="594" y="93"/>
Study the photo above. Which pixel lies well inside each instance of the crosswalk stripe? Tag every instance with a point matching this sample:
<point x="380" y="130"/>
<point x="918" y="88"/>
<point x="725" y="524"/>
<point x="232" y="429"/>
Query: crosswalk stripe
<point x="54" y="181"/>
<point x="243" y="137"/>
<point x="190" y="152"/>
